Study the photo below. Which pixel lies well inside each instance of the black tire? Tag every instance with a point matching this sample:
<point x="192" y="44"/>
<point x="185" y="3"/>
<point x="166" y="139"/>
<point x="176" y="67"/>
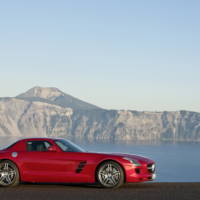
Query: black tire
<point x="110" y="175"/>
<point x="9" y="174"/>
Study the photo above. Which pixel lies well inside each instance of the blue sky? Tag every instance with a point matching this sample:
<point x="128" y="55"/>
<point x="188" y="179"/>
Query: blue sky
<point x="117" y="54"/>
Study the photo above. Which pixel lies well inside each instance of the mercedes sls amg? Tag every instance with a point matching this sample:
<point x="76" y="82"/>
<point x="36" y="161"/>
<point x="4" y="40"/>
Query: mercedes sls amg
<point x="50" y="160"/>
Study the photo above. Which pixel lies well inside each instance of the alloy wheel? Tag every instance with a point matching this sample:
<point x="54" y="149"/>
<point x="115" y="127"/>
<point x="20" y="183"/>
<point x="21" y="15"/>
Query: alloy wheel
<point x="110" y="175"/>
<point x="8" y="173"/>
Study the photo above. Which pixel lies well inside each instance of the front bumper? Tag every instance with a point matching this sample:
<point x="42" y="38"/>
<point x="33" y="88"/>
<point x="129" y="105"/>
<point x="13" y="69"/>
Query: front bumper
<point x="145" y="172"/>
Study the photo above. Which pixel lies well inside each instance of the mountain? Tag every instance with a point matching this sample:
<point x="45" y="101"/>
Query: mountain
<point x="57" y="97"/>
<point x="50" y="112"/>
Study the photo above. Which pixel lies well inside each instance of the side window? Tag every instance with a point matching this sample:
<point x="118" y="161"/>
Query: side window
<point x="38" y="145"/>
<point x="64" y="146"/>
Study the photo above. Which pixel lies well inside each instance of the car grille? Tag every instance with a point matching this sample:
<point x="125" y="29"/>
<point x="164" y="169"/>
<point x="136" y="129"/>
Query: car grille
<point x="151" y="168"/>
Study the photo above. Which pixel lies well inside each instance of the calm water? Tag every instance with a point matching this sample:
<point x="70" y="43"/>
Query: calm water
<point x="175" y="162"/>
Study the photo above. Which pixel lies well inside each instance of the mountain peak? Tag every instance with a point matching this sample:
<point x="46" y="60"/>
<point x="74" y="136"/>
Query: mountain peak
<point x="42" y="92"/>
<point x="53" y="95"/>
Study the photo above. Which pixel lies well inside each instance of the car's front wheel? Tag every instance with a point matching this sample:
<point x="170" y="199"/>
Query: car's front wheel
<point x="9" y="174"/>
<point x="110" y="174"/>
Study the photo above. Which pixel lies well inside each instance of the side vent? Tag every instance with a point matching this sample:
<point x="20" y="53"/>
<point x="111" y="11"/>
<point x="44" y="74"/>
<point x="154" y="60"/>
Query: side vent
<point x="80" y="167"/>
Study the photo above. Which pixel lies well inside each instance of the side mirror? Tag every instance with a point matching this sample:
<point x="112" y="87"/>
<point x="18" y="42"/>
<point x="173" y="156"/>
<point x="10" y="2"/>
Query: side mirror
<point x="52" y="149"/>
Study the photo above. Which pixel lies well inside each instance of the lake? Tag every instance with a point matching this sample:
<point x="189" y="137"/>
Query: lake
<point x="176" y="162"/>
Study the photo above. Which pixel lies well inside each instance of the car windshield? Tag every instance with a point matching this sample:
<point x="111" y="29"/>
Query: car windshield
<point x="8" y="146"/>
<point x="68" y="146"/>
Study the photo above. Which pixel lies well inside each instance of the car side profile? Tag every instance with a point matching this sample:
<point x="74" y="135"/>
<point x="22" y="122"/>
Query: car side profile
<point x="50" y="160"/>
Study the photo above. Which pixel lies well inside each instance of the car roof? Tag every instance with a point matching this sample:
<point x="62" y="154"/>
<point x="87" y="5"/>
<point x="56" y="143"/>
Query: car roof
<point x="18" y="144"/>
<point x="37" y="138"/>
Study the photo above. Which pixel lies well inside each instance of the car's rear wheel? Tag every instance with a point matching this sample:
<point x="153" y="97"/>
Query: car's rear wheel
<point x="9" y="174"/>
<point x="110" y="174"/>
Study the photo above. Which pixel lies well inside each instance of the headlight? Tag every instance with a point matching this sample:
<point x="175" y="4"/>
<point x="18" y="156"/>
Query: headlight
<point x="153" y="167"/>
<point x="135" y="162"/>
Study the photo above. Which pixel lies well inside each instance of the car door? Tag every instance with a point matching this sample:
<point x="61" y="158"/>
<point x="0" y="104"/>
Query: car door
<point x="42" y="165"/>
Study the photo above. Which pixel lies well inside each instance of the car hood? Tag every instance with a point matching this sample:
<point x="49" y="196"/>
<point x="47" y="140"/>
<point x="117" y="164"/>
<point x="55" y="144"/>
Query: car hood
<point x="141" y="159"/>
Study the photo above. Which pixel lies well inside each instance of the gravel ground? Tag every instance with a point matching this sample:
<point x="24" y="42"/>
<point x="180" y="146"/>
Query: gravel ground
<point x="141" y="191"/>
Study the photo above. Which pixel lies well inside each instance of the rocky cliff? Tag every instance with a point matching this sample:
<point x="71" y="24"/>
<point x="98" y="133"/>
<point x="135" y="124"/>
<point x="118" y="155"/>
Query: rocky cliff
<point x="50" y="112"/>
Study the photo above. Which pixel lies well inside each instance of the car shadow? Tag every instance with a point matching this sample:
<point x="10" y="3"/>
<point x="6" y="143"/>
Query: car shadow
<point x="131" y="186"/>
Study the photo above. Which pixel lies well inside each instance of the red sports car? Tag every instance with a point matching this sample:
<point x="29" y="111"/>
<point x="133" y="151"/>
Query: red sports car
<point x="45" y="160"/>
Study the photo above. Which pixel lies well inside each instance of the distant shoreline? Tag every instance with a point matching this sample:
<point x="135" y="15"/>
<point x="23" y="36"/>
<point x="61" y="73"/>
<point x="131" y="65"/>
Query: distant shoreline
<point x="104" y="141"/>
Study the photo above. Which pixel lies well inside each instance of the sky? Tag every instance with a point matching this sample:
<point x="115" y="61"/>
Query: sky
<point x="118" y="54"/>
